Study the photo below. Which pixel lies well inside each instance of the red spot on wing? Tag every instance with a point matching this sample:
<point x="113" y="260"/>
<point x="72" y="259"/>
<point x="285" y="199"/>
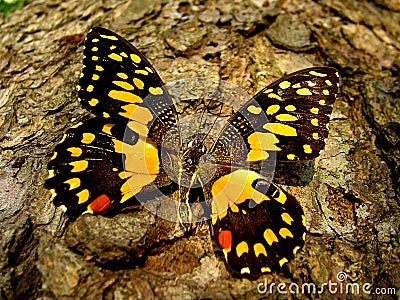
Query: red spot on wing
<point x="100" y="203"/>
<point x="225" y="239"/>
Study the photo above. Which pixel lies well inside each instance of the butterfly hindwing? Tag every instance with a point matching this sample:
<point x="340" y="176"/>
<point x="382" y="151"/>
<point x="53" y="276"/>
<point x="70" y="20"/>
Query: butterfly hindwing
<point x="96" y="167"/>
<point x="258" y="226"/>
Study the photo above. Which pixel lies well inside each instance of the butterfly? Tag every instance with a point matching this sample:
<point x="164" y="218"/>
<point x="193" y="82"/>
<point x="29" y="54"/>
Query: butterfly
<point x="134" y="146"/>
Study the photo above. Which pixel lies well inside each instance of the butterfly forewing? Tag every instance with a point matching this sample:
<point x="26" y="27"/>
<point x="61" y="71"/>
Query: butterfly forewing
<point x="289" y="117"/>
<point x="107" y="160"/>
<point x="119" y="83"/>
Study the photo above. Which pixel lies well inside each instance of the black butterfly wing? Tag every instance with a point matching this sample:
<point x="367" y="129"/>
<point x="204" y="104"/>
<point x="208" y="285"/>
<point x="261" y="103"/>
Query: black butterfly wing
<point x="107" y="160"/>
<point x="119" y="83"/>
<point x="287" y="120"/>
<point x="259" y="226"/>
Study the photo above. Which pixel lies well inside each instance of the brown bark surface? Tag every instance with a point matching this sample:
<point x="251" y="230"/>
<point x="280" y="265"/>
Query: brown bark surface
<point x="350" y="194"/>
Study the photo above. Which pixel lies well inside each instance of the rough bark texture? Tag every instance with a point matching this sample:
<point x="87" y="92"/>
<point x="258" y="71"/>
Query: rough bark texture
<point x="351" y="198"/>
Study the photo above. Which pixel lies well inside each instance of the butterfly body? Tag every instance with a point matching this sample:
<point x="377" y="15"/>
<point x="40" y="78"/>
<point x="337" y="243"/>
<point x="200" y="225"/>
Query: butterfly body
<point x="134" y="147"/>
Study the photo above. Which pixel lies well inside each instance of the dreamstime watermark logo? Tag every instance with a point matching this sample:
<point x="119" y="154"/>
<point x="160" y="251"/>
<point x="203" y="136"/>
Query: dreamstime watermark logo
<point x="333" y="287"/>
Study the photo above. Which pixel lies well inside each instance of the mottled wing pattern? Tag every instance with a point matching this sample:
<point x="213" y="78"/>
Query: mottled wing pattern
<point x="259" y="226"/>
<point x="107" y="160"/>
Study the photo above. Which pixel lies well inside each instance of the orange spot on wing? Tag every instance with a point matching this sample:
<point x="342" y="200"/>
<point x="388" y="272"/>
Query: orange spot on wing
<point x="100" y="204"/>
<point x="225" y="239"/>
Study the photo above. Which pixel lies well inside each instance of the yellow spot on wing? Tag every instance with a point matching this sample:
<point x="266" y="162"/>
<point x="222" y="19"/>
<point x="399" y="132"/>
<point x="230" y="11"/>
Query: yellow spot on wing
<point x="254" y="109"/>
<point x="141" y="166"/>
<point x="87" y="138"/>
<point x="143" y="72"/>
<point x="51" y="174"/>
<point x="113" y="47"/>
<point x="263" y="141"/>
<point x="234" y="188"/>
<point x="295" y="249"/>
<point x="328" y="82"/>
<point x="95" y="58"/>
<point x="125" y="96"/>
<point x="83" y="196"/>
<point x="281" y="129"/>
<point x="314" y="122"/>
<point x="290" y="108"/>
<point x="122" y="75"/>
<point x="123" y="54"/>
<point x="156" y="91"/>
<point x="234" y="208"/>
<point x="53" y="156"/>
<point x="107" y="128"/>
<point x="303" y="92"/>
<point x="106" y="115"/>
<point x="95" y="49"/>
<point x="291" y="156"/>
<point x="95" y="77"/>
<point x="135" y="58"/>
<point x="286" y="117"/>
<point x="257" y="155"/>
<point x="284" y="232"/>
<point x="307" y="149"/>
<point x="149" y="70"/>
<point x="95" y="40"/>
<point x="275" y="96"/>
<point x="75" y="151"/>
<point x="90" y="88"/>
<point x="139" y="128"/>
<point x="283" y="261"/>
<point x="93" y="102"/>
<point x="79" y="165"/>
<point x="73" y="183"/>
<point x="245" y="270"/>
<point x="259" y="249"/>
<point x="287" y="218"/>
<point x="268" y="91"/>
<point x="270" y="236"/>
<point x="317" y="74"/>
<point x="281" y="197"/>
<point x="137" y="113"/>
<point x="314" y="110"/>
<point x="272" y="109"/>
<point x="99" y="68"/>
<point x="115" y="56"/>
<point x="315" y="135"/>
<point x="265" y="269"/>
<point x="110" y="37"/>
<point x="325" y="92"/>
<point x="321" y="102"/>
<point x="284" y="84"/>
<point x="241" y="248"/>
<point x="138" y="83"/>
<point x="124" y="85"/>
